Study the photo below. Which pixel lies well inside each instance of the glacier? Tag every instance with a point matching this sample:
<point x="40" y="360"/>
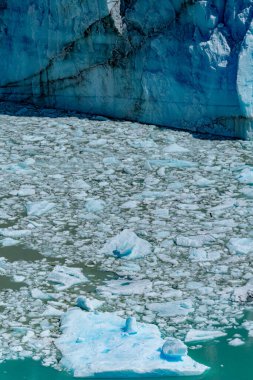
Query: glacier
<point x="99" y="344"/>
<point x="178" y="63"/>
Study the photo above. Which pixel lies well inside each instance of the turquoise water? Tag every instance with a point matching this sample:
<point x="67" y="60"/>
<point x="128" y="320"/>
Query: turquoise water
<point x="226" y="362"/>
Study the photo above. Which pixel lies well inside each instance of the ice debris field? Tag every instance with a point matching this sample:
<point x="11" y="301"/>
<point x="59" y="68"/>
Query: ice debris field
<point x="140" y="236"/>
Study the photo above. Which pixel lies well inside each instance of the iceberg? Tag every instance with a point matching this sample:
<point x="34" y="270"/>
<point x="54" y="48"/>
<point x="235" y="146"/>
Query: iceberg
<point x="97" y="344"/>
<point x="88" y="304"/>
<point x="127" y="245"/>
<point x="178" y="63"/>
<point x="63" y="277"/>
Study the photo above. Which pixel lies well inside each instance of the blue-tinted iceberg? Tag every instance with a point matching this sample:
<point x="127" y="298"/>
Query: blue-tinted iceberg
<point x="180" y="63"/>
<point x="97" y="344"/>
<point x="127" y="245"/>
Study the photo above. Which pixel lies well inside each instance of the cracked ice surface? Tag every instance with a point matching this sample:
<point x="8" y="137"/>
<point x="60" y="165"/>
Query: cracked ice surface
<point x="104" y="177"/>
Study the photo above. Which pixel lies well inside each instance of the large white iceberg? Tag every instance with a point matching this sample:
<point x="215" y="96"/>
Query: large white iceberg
<point x="127" y="245"/>
<point x="97" y="344"/>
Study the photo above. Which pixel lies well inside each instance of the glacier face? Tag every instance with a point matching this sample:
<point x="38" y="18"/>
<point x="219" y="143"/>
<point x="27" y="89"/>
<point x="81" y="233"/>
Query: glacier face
<point x="180" y="63"/>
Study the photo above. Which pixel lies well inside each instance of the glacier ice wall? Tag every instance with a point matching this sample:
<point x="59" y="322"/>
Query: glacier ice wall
<point x="179" y="63"/>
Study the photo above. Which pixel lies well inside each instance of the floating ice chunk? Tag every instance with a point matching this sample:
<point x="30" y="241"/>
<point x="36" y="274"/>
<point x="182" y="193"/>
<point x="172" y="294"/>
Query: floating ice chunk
<point x="98" y="142"/>
<point x="65" y="277"/>
<point x="52" y="312"/>
<point x="9" y="232"/>
<point x="246" y="176"/>
<point x="80" y="184"/>
<point x="131" y="326"/>
<point x="243" y="293"/>
<point x="39" y="208"/>
<point x="111" y="161"/>
<point x="94" y="205"/>
<point x="199" y="254"/>
<point x="175" y="148"/>
<point x="173" y="308"/>
<point x="129" y="204"/>
<point x="236" y="342"/>
<point x="18" y="278"/>
<point x="8" y="242"/>
<point x="194" y="241"/>
<point x="203" y="335"/>
<point x="248" y="325"/>
<point x="19" y="168"/>
<point x="128" y="245"/>
<point x="26" y="191"/>
<point x="134" y="143"/>
<point x="172" y="163"/>
<point x="125" y="287"/>
<point x="174" y="349"/>
<point x="247" y="192"/>
<point x="95" y="344"/>
<point x="38" y="294"/>
<point x="88" y="304"/>
<point x="203" y="182"/>
<point x="240" y="246"/>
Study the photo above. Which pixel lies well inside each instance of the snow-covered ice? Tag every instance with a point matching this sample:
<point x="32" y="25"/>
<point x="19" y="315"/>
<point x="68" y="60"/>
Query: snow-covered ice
<point x="96" y="344"/>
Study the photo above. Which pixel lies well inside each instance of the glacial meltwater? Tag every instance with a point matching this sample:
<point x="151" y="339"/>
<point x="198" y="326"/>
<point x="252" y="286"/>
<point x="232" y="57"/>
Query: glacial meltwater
<point x="146" y="230"/>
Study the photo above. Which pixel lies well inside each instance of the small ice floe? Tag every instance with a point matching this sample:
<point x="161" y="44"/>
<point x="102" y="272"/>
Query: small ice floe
<point x="39" y="208"/>
<point x="243" y="293"/>
<point x="80" y="184"/>
<point x="65" y="277"/>
<point x="9" y="242"/>
<point x="38" y="294"/>
<point x="88" y="304"/>
<point x="236" y="342"/>
<point x="247" y="192"/>
<point x="175" y="148"/>
<point x="172" y="308"/>
<point x="129" y="205"/>
<point x="248" y="325"/>
<point x="171" y="163"/>
<point x="125" y="287"/>
<point x="127" y="245"/>
<point x="52" y="312"/>
<point x="10" y="232"/>
<point x="94" y="205"/>
<point x="25" y="191"/>
<point x="199" y="254"/>
<point x="105" y="345"/>
<point x="136" y="143"/>
<point x="194" y="241"/>
<point x="246" y="176"/>
<point x="203" y="335"/>
<point x="203" y="182"/>
<point x="240" y="246"/>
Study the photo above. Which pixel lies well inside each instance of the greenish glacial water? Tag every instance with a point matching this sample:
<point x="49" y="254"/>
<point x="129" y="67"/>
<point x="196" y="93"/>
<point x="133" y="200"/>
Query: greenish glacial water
<point x="226" y="362"/>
